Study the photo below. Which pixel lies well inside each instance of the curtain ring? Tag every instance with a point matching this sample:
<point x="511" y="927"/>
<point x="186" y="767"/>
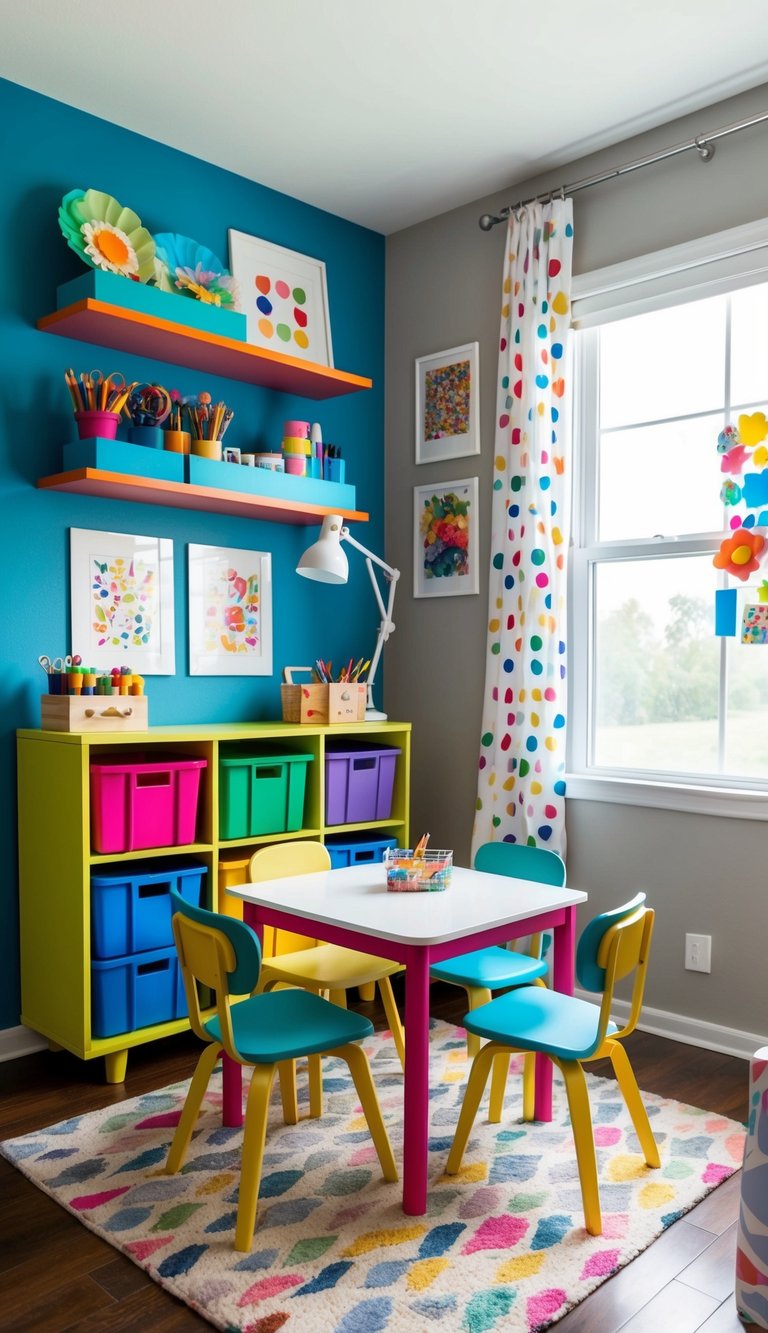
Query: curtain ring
<point x="562" y="193"/>
<point x="705" y="150"/>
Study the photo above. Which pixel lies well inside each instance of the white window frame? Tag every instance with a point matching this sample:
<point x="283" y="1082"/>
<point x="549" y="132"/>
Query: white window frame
<point x="706" y="267"/>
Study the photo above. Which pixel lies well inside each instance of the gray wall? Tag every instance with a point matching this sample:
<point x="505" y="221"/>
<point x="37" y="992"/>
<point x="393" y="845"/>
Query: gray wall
<point x="443" y="289"/>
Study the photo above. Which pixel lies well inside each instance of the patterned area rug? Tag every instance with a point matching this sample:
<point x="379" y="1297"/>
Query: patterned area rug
<point x="502" y="1247"/>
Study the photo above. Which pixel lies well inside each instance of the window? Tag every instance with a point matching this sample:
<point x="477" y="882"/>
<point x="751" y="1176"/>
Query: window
<point x="664" y="359"/>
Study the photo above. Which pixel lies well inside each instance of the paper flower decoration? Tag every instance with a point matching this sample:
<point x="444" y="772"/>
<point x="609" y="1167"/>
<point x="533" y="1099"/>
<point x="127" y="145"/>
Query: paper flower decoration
<point x="734" y="460"/>
<point x="182" y="265"/>
<point x="728" y="437"/>
<point x="106" y="235"/>
<point x="738" y="553"/>
<point x="753" y="429"/>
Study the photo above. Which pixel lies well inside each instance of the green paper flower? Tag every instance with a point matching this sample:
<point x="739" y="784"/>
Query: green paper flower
<point x="106" y="235"/>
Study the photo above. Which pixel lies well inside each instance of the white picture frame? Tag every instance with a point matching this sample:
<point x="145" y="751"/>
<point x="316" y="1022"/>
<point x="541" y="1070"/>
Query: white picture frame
<point x="284" y="297"/>
<point x="230" y="611"/>
<point x="448" y="404"/>
<point x="121" y="601"/>
<point x="446" y="566"/>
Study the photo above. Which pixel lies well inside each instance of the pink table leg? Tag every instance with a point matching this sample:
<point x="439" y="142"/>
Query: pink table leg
<point x="416" y="1117"/>
<point x="564" y="948"/>
<point x="231" y="1071"/>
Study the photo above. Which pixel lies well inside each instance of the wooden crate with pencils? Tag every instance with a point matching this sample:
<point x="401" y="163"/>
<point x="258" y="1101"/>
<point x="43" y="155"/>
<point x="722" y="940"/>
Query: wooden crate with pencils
<point x="338" y="701"/>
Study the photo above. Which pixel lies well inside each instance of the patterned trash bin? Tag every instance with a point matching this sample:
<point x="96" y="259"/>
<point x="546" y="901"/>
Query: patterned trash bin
<point x="752" y="1236"/>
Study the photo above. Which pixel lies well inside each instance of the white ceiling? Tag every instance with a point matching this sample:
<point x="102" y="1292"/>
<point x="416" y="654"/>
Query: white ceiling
<point x="386" y="111"/>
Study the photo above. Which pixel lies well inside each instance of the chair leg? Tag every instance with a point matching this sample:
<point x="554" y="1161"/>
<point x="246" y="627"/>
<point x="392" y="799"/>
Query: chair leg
<point x="254" y="1135"/>
<point x="625" y="1077"/>
<point x="475" y="997"/>
<point x="393" y="1017"/>
<point x="498" y="1087"/>
<point x="360" y="1070"/>
<point x="286" y="1071"/>
<point x="529" y="1086"/>
<point x="367" y="992"/>
<point x="315" y="1068"/>
<point x="200" y="1080"/>
<point x="581" y="1123"/>
<point x="478" y="1077"/>
<point x="339" y="997"/>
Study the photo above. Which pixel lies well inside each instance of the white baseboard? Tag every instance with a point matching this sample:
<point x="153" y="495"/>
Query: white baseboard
<point x="691" y="1031"/>
<point x="15" y="1042"/>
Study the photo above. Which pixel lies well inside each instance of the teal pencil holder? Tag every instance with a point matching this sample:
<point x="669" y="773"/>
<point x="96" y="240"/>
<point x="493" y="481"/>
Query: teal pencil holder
<point x="150" y="436"/>
<point x="334" y="469"/>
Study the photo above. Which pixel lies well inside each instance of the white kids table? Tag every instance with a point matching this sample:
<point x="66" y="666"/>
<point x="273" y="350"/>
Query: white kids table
<point x="352" y="907"/>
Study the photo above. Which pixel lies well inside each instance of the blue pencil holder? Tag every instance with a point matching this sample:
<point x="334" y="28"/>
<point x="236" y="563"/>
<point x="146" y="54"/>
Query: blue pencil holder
<point x="334" y="469"/>
<point x="150" y="436"/>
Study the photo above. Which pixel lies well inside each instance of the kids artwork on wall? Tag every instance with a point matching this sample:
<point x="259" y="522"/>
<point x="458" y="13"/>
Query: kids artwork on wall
<point x="445" y="559"/>
<point x="122" y="600"/>
<point x="284" y="298"/>
<point x="447" y="404"/>
<point x="744" y="451"/>
<point x="230" y="612"/>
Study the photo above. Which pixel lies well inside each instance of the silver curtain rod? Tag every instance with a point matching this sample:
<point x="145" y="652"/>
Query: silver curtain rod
<point x="703" y="143"/>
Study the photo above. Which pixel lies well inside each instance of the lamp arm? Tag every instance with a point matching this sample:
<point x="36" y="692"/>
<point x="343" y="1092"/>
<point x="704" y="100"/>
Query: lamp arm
<point x="346" y="536"/>
<point x="385" y="628"/>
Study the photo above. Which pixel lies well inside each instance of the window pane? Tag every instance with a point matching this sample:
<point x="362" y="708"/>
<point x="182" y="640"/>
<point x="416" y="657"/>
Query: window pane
<point x="656" y="665"/>
<point x="668" y="363"/>
<point x="749" y="333"/>
<point x="747" y="726"/>
<point x="661" y="479"/>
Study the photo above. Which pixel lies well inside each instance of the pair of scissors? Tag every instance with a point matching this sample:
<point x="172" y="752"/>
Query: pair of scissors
<point x="46" y="664"/>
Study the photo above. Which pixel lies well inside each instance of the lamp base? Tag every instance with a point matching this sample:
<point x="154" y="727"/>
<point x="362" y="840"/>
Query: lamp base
<point x="375" y="715"/>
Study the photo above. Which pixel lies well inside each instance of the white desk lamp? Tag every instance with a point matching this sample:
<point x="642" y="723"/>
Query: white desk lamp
<point x="326" y="562"/>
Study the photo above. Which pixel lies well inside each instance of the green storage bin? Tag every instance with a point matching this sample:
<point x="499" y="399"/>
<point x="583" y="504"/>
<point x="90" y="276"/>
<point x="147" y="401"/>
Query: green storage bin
<point x="261" y="793"/>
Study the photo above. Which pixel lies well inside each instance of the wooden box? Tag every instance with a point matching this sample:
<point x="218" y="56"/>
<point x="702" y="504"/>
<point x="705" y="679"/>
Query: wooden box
<point x="99" y="712"/>
<point x="322" y="704"/>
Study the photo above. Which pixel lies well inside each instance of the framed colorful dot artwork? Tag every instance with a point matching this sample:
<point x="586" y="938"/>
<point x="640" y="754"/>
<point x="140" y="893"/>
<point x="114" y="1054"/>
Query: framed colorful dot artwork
<point x="445" y="549"/>
<point x="284" y="297"/>
<point x="121" y="589"/>
<point x="447" y="404"/>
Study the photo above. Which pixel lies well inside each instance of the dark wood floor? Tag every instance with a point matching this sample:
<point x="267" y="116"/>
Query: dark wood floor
<point x="56" y="1275"/>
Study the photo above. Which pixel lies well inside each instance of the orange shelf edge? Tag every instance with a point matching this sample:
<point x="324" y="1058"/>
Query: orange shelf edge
<point x="182" y="495"/>
<point x="131" y="331"/>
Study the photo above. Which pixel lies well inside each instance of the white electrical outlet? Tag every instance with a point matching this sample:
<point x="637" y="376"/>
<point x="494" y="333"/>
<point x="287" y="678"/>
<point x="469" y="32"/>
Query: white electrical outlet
<point x="698" y="953"/>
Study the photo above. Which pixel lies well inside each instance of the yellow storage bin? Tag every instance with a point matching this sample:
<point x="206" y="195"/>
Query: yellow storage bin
<point x="232" y="870"/>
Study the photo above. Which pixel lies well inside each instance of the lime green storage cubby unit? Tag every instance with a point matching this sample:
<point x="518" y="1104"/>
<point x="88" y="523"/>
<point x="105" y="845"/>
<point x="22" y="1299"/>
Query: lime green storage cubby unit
<point x="56" y="858"/>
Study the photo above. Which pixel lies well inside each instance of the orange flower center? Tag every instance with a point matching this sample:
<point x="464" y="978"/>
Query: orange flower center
<point x="112" y="247"/>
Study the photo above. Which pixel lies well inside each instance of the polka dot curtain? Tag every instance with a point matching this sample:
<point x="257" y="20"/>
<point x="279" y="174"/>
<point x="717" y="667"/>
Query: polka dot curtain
<point x="521" y="784"/>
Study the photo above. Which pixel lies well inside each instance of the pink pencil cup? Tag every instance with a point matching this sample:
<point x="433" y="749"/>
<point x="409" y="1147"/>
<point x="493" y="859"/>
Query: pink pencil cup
<point x="90" y="424"/>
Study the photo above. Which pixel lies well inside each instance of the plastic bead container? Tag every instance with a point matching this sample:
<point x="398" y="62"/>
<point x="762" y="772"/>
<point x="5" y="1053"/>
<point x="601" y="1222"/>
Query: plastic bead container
<point x="428" y="873"/>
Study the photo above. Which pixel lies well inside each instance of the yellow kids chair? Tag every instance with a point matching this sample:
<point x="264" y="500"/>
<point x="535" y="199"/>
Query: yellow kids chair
<point x="268" y="1032"/>
<point x="571" y="1032"/>
<point x="326" y="969"/>
<point x="499" y="966"/>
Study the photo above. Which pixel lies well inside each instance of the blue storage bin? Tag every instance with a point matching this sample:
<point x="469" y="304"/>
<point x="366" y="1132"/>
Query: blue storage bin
<point x="351" y="851"/>
<point x="136" y="992"/>
<point x="131" y="909"/>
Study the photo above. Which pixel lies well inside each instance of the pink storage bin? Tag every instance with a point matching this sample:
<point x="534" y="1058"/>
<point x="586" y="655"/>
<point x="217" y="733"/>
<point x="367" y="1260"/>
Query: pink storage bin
<point x="140" y="805"/>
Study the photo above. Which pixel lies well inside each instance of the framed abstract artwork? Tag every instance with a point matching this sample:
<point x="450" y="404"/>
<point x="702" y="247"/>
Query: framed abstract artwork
<point x="122" y="601"/>
<point x="448" y="404"/>
<point x="230" y="612"/>
<point x="284" y="297"/>
<point x="445" y="549"/>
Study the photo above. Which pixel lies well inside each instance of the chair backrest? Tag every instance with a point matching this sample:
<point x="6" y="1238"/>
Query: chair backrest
<point x="518" y="861"/>
<point x="614" y="945"/>
<point x="216" y="951"/>
<point x="278" y="861"/>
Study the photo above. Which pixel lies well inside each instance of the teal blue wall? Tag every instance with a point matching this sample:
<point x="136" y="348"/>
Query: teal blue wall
<point x="51" y="149"/>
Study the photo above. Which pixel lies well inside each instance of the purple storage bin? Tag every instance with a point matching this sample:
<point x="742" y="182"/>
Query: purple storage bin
<point x="359" y="784"/>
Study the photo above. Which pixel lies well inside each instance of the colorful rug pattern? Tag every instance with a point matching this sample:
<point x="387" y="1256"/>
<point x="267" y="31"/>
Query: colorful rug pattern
<point x="503" y="1246"/>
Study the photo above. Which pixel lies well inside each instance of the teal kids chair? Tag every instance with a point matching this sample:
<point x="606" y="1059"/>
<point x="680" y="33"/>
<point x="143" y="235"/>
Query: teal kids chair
<point x="486" y="970"/>
<point x="571" y="1032"/>
<point x="267" y="1031"/>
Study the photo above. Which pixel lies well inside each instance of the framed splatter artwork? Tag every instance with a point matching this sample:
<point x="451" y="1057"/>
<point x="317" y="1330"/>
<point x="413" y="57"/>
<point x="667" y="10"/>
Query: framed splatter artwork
<point x="445" y="550"/>
<point x="230" y="612"/>
<point x="284" y="297"/>
<point x="447" y="404"/>
<point x="121" y="607"/>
